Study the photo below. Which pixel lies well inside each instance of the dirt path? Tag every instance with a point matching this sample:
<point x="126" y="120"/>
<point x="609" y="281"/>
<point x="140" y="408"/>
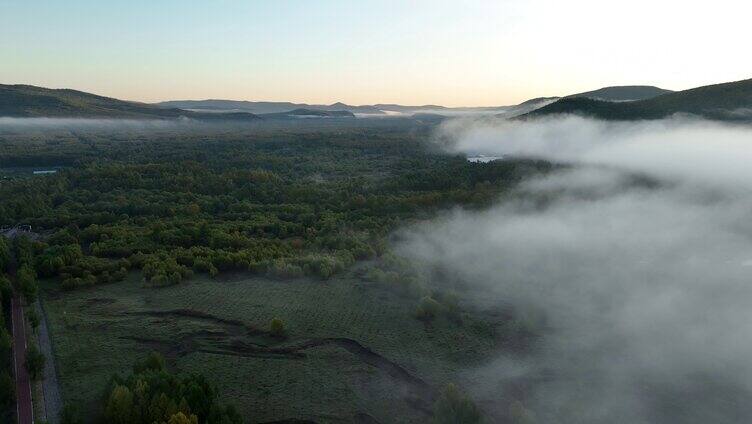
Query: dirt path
<point x="53" y="401"/>
<point x="24" y="410"/>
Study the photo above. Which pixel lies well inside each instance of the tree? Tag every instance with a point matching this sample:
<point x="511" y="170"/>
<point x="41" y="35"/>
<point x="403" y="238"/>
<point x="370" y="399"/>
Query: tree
<point x="181" y="418"/>
<point x="7" y="390"/>
<point x="520" y="414"/>
<point x="427" y="309"/>
<point x="454" y="407"/>
<point x="277" y="328"/>
<point x="5" y="343"/>
<point x="119" y="408"/>
<point x="34" y="362"/>
<point x="6" y="291"/>
<point x="24" y="250"/>
<point x="49" y="264"/>
<point x="27" y="280"/>
<point x="71" y="415"/>
<point x="5" y="254"/>
<point x="154" y="362"/>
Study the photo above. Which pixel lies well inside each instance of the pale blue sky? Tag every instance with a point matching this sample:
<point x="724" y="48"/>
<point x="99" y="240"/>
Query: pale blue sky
<point x="468" y="52"/>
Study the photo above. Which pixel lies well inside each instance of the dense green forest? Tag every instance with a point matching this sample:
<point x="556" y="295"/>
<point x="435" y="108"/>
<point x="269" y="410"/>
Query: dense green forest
<point x="286" y="205"/>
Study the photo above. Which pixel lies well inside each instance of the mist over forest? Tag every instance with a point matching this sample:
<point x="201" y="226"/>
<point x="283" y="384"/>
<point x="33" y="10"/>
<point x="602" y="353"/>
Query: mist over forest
<point x="375" y="212"/>
<point x="585" y="270"/>
<point x="634" y="260"/>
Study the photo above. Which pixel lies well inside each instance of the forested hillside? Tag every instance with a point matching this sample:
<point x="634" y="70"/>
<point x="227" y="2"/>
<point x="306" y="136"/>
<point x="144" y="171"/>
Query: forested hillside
<point x="29" y="101"/>
<point x="727" y="102"/>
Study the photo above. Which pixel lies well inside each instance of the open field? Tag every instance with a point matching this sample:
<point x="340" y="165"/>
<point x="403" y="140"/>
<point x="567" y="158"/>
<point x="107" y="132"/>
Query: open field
<point x="354" y="349"/>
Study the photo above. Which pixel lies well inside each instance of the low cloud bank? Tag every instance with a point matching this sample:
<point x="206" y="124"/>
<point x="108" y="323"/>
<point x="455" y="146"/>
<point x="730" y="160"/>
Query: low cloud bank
<point x="117" y="126"/>
<point x="643" y="291"/>
<point x="193" y="125"/>
<point x="681" y="148"/>
<point x="20" y="124"/>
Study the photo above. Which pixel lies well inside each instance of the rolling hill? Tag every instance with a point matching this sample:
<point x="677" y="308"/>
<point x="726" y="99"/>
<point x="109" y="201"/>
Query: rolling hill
<point x="623" y="93"/>
<point x="25" y="101"/>
<point x="626" y="93"/>
<point x="728" y="101"/>
<point x="526" y="107"/>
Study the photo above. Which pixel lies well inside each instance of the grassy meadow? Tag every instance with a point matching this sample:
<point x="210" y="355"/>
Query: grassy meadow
<point x="220" y="328"/>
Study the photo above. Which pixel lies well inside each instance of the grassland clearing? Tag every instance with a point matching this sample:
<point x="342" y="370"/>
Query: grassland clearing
<point x="353" y="348"/>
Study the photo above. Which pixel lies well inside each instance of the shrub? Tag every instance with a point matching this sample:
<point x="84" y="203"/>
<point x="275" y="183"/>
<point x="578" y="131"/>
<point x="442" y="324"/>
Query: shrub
<point x="454" y="407"/>
<point x="205" y="265"/>
<point x="154" y="362"/>
<point x="33" y="318"/>
<point x="427" y="309"/>
<point x="277" y="328"/>
<point x="283" y="269"/>
<point x="5" y="254"/>
<point x="70" y="283"/>
<point x="321" y="266"/>
<point x="375" y="274"/>
<point x="6" y="343"/>
<point x="34" y="362"/>
<point x="164" y="270"/>
<point x="119" y="408"/>
<point x="181" y="418"/>
<point x="7" y="390"/>
<point x="6" y="291"/>
<point x="520" y="414"/>
<point x="451" y="305"/>
<point x="71" y="415"/>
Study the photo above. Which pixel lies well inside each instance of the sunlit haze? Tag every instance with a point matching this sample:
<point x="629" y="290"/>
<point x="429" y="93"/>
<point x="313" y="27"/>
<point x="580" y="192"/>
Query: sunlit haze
<point x="469" y="53"/>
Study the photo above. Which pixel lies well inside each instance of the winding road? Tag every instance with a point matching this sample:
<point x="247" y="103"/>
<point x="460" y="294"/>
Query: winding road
<point x="24" y="410"/>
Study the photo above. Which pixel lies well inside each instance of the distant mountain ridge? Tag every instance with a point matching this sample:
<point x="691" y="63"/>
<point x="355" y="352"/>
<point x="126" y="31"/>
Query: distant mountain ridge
<point x="727" y="101"/>
<point x="615" y="93"/>
<point x="261" y="108"/>
<point x="730" y="101"/>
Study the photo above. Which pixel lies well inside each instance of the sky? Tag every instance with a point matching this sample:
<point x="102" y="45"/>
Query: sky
<point x="453" y="53"/>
